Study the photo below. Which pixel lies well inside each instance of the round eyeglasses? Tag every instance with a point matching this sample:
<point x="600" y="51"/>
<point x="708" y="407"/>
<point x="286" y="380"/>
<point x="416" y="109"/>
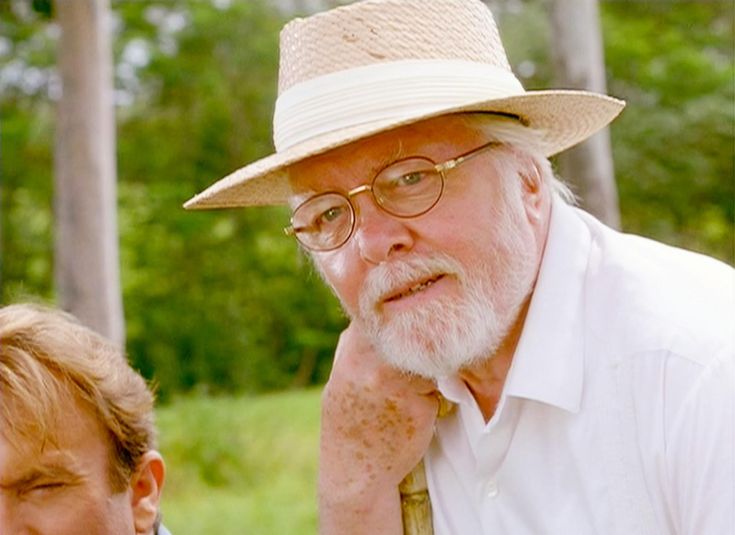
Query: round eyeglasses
<point x="405" y="189"/>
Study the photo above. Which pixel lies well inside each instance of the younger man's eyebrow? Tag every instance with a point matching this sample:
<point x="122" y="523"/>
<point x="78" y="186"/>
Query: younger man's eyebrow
<point x="53" y="471"/>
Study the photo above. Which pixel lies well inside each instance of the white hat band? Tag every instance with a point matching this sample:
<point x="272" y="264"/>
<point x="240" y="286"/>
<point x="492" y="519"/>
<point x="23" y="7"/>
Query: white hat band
<point x="384" y="91"/>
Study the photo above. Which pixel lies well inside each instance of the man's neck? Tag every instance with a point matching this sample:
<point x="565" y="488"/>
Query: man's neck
<point x="486" y="379"/>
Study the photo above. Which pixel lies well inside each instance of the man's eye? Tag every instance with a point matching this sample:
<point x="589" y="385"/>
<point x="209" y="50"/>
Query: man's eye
<point x="410" y="179"/>
<point x="330" y="215"/>
<point x="44" y="488"/>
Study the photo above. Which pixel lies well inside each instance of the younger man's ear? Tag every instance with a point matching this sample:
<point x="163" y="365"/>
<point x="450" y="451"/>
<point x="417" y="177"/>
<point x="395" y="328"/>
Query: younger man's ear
<point x="145" y="487"/>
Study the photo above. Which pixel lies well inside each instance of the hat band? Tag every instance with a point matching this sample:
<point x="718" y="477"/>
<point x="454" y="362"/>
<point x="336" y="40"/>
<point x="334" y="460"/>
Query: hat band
<point x="382" y="92"/>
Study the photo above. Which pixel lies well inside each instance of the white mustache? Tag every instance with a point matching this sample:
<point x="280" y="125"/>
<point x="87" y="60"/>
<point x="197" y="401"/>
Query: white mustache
<point x="389" y="278"/>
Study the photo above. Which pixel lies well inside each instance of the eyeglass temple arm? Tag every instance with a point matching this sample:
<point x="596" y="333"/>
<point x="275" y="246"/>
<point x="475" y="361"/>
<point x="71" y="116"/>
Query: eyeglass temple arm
<point x="451" y="164"/>
<point x="290" y="230"/>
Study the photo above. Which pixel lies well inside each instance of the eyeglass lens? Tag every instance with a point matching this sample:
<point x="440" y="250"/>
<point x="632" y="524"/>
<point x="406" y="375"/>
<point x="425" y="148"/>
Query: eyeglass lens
<point x="324" y="222"/>
<point x="407" y="188"/>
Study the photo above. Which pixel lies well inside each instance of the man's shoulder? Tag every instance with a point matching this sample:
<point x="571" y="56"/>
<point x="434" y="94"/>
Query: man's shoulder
<point x="646" y="260"/>
<point x="649" y="296"/>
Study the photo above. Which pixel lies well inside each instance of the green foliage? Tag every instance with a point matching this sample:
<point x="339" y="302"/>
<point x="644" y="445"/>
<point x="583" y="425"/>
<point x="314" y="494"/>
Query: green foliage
<point x="217" y="301"/>
<point x="674" y="144"/>
<point x="223" y="301"/>
<point x="220" y="290"/>
<point x="241" y="465"/>
<point x="26" y="138"/>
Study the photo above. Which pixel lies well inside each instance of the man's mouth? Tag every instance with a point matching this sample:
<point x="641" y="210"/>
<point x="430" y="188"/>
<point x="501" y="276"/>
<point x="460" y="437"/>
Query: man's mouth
<point x="414" y="289"/>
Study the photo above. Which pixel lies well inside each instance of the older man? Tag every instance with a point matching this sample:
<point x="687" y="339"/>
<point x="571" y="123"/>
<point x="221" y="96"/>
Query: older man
<point x="592" y="372"/>
<point x="76" y="432"/>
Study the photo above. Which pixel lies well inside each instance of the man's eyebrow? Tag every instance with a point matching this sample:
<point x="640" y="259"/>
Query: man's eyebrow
<point x="389" y="158"/>
<point x="392" y="157"/>
<point x="40" y="472"/>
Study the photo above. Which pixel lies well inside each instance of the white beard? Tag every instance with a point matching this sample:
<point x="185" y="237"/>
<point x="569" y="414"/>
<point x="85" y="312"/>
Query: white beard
<point x="439" y="338"/>
<point x="442" y="336"/>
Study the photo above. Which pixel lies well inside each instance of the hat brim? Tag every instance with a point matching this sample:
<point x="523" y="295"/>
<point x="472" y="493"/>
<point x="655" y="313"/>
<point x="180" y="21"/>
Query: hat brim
<point x="563" y="117"/>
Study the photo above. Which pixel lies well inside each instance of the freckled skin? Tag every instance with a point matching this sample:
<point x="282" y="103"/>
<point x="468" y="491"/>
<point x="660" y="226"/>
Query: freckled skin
<point x="372" y="436"/>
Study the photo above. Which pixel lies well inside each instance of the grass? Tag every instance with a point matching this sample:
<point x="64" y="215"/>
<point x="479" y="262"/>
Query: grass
<point x="244" y="465"/>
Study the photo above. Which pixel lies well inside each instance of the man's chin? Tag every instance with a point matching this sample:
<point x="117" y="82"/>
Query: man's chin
<point x="428" y="370"/>
<point x="423" y="357"/>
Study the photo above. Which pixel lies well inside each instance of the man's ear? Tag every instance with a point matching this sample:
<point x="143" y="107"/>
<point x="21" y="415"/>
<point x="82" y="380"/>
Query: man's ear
<point x="534" y="190"/>
<point x="145" y="487"/>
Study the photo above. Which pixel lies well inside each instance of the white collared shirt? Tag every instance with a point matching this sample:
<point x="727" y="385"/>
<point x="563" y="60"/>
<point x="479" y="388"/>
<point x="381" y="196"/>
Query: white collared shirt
<point x="618" y="413"/>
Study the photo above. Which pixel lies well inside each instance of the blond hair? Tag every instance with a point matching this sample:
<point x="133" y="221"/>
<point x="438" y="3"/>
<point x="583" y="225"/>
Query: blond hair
<point x="47" y="355"/>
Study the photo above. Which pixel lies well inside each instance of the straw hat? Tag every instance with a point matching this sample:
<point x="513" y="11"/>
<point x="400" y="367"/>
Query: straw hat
<point x="361" y="69"/>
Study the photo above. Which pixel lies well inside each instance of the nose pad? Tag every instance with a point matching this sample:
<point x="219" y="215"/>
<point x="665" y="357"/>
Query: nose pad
<point x="378" y="234"/>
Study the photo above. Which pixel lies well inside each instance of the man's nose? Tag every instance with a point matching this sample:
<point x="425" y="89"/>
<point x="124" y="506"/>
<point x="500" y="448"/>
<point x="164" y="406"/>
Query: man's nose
<point x="378" y="234"/>
<point x="8" y="520"/>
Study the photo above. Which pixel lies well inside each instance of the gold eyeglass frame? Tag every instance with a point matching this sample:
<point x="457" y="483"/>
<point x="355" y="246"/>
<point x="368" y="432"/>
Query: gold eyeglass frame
<point x="440" y="168"/>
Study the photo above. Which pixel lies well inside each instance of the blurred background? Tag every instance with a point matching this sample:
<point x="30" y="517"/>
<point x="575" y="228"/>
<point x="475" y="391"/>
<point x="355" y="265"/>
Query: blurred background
<point x="220" y="309"/>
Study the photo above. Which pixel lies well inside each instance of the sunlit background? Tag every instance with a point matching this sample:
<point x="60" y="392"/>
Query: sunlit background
<point x="221" y="309"/>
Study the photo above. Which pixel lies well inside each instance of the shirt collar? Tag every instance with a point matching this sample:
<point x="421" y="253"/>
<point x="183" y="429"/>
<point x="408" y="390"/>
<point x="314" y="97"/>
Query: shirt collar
<point x="548" y="364"/>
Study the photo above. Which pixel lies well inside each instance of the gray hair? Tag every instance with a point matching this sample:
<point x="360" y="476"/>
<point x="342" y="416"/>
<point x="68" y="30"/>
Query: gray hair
<point x="510" y="131"/>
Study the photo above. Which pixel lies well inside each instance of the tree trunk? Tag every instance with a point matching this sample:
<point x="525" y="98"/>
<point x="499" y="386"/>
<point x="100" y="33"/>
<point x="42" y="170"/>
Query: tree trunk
<point x="87" y="269"/>
<point x="579" y="64"/>
<point x="2" y="215"/>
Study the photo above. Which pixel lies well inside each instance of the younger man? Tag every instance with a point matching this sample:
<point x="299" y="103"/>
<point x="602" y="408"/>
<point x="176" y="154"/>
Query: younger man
<point x="77" y="440"/>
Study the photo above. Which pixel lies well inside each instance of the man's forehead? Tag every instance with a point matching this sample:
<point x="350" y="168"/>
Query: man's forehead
<point x="32" y="459"/>
<point x="333" y="171"/>
<point x="68" y="428"/>
<point x="359" y="161"/>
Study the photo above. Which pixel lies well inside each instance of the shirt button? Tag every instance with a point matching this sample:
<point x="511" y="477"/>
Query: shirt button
<point x="491" y="489"/>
